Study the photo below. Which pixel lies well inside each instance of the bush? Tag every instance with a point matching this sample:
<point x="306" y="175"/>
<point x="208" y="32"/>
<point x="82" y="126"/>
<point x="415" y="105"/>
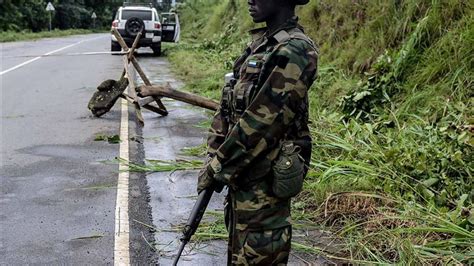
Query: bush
<point x="391" y="112"/>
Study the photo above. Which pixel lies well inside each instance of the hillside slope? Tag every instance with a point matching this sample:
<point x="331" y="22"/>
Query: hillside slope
<point x="392" y="120"/>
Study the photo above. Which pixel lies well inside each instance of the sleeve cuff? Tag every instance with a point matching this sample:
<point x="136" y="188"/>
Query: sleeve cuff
<point x="215" y="165"/>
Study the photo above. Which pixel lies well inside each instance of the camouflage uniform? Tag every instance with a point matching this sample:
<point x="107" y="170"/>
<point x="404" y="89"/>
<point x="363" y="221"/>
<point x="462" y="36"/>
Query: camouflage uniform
<point x="268" y="103"/>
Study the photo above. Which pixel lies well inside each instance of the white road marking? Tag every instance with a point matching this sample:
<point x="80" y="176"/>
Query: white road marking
<point x="46" y="54"/>
<point x="122" y="227"/>
<point x="68" y="54"/>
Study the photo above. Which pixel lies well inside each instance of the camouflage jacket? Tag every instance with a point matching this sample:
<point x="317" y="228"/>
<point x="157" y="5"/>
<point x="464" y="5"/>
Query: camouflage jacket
<point x="269" y="103"/>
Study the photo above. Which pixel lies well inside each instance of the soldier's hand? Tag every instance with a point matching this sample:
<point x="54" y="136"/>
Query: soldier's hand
<point x="206" y="180"/>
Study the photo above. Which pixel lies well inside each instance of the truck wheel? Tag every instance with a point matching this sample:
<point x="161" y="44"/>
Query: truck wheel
<point x="133" y="26"/>
<point x="115" y="47"/>
<point x="156" y="49"/>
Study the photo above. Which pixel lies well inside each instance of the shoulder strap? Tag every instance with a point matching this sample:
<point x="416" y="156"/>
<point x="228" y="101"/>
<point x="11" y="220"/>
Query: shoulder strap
<point x="282" y="36"/>
<point x="295" y="33"/>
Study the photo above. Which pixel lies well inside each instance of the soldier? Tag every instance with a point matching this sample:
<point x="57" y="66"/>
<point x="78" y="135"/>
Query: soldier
<point x="259" y="143"/>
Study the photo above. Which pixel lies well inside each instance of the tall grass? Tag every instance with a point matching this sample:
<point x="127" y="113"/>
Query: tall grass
<point x="391" y="111"/>
<point x="14" y="36"/>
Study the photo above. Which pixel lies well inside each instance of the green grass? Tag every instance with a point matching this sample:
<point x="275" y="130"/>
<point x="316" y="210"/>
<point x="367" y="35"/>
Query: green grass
<point x="14" y="36"/>
<point x="198" y="151"/>
<point x="163" y="166"/>
<point x="112" y="139"/>
<point x="392" y="117"/>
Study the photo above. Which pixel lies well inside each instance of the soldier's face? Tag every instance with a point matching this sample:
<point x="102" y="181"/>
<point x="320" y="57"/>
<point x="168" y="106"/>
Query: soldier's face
<point x="262" y="10"/>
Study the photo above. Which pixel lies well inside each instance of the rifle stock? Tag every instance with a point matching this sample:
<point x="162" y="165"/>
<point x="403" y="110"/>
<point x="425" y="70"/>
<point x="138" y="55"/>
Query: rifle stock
<point x="194" y="219"/>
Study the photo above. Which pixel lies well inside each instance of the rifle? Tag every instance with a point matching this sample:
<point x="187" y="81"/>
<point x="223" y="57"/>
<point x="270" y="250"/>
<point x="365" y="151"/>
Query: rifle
<point x="194" y="219"/>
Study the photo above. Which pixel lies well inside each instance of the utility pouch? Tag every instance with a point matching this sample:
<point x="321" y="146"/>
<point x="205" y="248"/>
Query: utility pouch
<point x="226" y="98"/>
<point x="288" y="171"/>
<point x="242" y="97"/>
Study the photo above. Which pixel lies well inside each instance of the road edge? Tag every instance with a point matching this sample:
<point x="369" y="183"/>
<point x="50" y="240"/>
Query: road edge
<point x="121" y="237"/>
<point x="142" y="239"/>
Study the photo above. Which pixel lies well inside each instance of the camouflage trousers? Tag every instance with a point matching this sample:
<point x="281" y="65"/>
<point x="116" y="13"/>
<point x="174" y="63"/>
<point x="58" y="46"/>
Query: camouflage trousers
<point x="261" y="236"/>
<point x="267" y="247"/>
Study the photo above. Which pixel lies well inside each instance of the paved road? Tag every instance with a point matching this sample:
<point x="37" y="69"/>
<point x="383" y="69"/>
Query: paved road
<point x="57" y="196"/>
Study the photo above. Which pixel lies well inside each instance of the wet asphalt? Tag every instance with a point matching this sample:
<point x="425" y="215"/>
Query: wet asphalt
<point x="57" y="184"/>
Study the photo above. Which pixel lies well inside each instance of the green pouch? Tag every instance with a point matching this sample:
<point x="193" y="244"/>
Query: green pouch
<point x="288" y="171"/>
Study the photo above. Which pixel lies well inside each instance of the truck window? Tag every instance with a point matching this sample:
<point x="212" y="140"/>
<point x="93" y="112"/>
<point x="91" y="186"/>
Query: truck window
<point x="168" y="18"/>
<point x="142" y="14"/>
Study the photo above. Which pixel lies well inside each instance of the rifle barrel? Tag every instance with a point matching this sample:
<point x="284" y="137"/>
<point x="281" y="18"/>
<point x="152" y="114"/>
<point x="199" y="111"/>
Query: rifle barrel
<point x="194" y="219"/>
<point x="181" y="248"/>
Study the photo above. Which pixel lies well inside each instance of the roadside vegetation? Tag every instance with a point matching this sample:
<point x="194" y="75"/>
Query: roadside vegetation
<point x="28" y="20"/>
<point x="14" y="36"/>
<point x="21" y="15"/>
<point x="392" y="121"/>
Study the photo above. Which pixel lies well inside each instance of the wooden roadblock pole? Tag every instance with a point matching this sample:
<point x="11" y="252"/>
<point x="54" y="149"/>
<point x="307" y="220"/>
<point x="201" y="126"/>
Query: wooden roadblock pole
<point x="133" y="95"/>
<point x="148" y="107"/>
<point x="167" y="91"/>
<point x="131" y="80"/>
<point x="161" y="107"/>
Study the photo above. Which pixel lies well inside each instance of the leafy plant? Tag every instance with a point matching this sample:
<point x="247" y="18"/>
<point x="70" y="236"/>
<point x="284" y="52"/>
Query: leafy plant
<point x="112" y="139"/>
<point x="391" y="112"/>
